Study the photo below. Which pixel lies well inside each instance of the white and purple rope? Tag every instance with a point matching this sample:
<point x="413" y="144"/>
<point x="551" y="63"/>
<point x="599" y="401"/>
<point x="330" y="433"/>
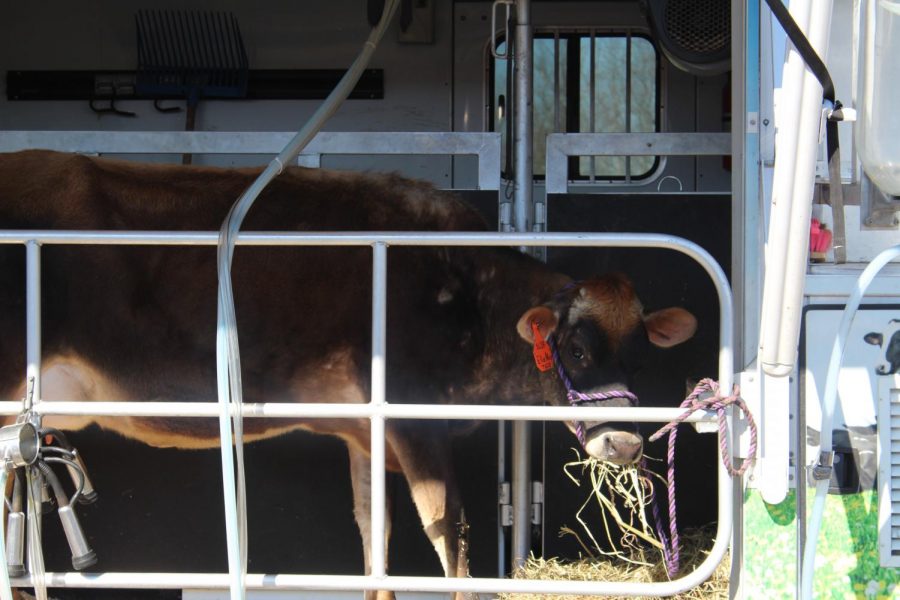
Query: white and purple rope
<point x="694" y="403"/>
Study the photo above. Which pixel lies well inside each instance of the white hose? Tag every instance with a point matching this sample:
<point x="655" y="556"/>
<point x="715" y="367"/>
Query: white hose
<point x="5" y="588"/>
<point x="828" y="402"/>
<point x="228" y="362"/>
<point x="34" y="547"/>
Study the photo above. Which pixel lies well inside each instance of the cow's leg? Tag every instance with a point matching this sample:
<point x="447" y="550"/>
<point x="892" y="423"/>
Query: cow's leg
<point x="423" y="451"/>
<point x="361" y="479"/>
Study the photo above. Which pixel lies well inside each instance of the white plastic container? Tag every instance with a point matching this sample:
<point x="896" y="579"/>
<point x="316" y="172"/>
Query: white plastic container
<point x="878" y="118"/>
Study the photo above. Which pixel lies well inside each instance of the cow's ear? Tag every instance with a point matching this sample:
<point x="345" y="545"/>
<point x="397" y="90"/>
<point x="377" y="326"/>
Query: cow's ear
<point x="876" y="339"/>
<point x="543" y="316"/>
<point x="670" y="326"/>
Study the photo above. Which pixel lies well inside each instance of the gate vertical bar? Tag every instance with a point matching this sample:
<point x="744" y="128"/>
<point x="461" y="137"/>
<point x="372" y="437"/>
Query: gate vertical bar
<point x="33" y="396"/>
<point x="521" y="492"/>
<point x="33" y="319"/>
<point x="377" y="448"/>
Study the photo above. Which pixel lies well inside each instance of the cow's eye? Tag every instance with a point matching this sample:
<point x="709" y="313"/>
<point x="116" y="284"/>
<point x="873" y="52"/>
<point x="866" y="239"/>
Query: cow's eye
<point x="577" y="352"/>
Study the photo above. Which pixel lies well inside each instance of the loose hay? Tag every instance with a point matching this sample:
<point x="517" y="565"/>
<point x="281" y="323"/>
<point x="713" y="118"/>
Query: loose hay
<point x="634" y="491"/>
<point x="636" y="556"/>
<point x="695" y="548"/>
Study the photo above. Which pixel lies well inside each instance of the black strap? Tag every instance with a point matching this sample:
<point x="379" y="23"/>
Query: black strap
<point x="807" y="52"/>
<point x="818" y="68"/>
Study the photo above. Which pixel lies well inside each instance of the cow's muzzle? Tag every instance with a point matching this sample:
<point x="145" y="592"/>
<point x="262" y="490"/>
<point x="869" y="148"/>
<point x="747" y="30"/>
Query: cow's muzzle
<point x="618" y="443"/>
<point x="883" y="369"/>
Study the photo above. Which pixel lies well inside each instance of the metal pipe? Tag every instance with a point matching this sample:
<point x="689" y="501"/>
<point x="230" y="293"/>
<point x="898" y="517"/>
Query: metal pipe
<point x="267" y="581"/>
<point x="362" y="411"/>
<point x="33" y="323"/>
<point x="377" y="449"/>
<point x="501" y="479"/>
<point x="428" y="239"/>
<point x="521" y="493"/>
<point x="522" y="207"/>
<point x="523" y="211"/>
<point x="484" y="145"/>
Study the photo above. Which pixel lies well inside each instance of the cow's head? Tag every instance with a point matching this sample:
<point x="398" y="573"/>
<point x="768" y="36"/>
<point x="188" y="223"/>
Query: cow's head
<point x="601" y="334"/>
<point x="889" y="340"/>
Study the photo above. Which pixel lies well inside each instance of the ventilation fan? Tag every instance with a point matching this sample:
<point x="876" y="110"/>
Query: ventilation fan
<point x="695" y="35"/>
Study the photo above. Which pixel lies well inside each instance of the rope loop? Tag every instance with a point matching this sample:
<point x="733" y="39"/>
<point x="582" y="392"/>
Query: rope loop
<point x="707" y="396"/>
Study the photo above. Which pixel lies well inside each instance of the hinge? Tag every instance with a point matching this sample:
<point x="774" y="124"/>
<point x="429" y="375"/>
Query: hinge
<point x="504" y="499"/>
<point x="537" y="502"/>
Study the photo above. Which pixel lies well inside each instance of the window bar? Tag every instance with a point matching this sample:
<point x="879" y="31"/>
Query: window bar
<point x="592" y="92"/>
<point x="628" y="101"/>
<point x="556" y="127"/>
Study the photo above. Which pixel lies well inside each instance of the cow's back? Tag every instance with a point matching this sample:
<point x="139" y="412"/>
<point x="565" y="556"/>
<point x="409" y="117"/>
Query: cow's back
<point x="43" y="189"/>
<point x="146" y="315"/>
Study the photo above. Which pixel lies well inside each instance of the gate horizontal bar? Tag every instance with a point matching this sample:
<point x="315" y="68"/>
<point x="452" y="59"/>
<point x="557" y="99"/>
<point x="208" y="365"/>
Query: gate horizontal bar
<point x="290" y="238"/>
<point x="261" y="581"/>
<point x="483" y="412"/>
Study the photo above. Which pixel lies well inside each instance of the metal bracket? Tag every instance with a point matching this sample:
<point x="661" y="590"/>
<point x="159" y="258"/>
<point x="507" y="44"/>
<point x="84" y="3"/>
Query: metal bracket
<point x="821" y="471"/>
<point x="878" y="209"/>
<point x="500" y="55"/>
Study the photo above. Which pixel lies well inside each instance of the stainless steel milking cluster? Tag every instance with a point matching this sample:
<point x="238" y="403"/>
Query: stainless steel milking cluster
<point x="28" y="456"/>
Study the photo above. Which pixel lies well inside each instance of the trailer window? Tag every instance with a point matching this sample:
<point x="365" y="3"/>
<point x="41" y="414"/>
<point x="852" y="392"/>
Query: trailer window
<point x="586" y="82"/>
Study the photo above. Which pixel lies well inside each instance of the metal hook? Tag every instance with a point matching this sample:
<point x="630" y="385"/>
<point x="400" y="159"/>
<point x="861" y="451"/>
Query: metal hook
<point x="110" y="109"/>
<point x="659" y="186"/>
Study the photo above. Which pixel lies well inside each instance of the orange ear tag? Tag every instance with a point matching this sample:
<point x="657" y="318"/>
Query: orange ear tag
<point x="543" y="356"/>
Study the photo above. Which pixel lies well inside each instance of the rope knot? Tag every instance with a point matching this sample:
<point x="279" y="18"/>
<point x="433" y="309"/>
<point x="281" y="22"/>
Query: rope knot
<point x="706" y="396"/>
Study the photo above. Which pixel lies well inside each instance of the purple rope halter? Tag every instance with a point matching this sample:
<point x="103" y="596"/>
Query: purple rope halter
<point x="694" y="402"/>
<point x="577" y="398"/>
<point x="670" y="554"/>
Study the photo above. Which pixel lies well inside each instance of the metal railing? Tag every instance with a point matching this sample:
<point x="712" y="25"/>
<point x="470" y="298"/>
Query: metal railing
<point x="378" y="410"/>
<point x="485" y="146"/>
<point x="560" y="146"/>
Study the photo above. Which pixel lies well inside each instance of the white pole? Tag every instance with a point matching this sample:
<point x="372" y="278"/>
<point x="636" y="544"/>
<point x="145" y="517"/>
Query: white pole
<point x="787" y="247"/>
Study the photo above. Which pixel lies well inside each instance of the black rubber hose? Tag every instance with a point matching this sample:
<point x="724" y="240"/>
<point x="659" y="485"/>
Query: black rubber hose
<point x="58" y="491"/>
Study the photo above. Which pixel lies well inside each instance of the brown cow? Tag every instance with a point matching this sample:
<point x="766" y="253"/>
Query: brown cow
<point x="139" y="323"/>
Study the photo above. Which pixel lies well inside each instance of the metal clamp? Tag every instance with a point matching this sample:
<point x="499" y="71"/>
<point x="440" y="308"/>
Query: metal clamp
<point x="821" y="471"/>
